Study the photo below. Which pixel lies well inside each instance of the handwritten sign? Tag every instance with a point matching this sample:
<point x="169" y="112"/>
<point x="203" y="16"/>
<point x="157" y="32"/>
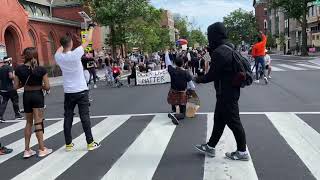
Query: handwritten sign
<point x="153" y="77"/>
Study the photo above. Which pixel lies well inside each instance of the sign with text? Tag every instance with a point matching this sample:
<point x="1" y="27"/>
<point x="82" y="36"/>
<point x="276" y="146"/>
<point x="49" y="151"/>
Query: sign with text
<point x="84" y="35"/>
<point x="153" y="77"/>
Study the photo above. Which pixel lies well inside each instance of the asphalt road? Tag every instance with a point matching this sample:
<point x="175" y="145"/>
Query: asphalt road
<point x="280" y="147"/>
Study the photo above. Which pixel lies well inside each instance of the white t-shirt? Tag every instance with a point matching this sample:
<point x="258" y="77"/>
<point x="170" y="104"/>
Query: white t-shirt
<point x="267" y="59"/>
<point x="72" y="70"/>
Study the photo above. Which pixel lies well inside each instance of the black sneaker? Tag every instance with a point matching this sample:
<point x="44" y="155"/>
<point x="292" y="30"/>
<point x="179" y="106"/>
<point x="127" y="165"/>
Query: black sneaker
<point x="204" y="148"/>
<point x="18" y="117"/>
<point x="175" y="121"/>
<point x="4" y="150"/>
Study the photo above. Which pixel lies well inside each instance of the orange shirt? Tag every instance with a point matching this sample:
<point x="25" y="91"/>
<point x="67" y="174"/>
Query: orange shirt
<point x="260" y="47"/>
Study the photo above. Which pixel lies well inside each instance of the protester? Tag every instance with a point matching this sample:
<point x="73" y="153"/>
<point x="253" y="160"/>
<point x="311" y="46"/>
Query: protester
<point x="267" y="59"/>
<point x="227" y="108"/>
<point x="34" y="79"/>
<point x="4" y="150"/>
<point x="6" y="89"/>
<point x="91" y="66"/>
<point x="116" y="72"/>
<point x="258" y="52"/>
<point x="133" y="74"/>
<point x="200" y="66"/>
<point x="75" y="88"/>
<point x="207" y="59"/>
<point x="177" y="96"/>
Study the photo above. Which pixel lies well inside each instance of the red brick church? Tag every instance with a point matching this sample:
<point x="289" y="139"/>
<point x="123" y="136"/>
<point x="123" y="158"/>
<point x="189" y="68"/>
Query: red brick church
<point x="40" y="23"/>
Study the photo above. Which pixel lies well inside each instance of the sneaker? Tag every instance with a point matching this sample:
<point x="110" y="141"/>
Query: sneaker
<point x="2" y="120"/>
<point x="175" y="121"/>
<point x="28" y="154"/>
<point x="95" y="86"/>
<point x="256" y="81"/>
<point x="5" y="150"/>
<point x="94" y="145"/>
<point x="204" y="148"/>
<point x="69" y="147"/>
<point x="269" y="77"/>
<point x="18" y="117"/>
<point x="45" y="152"/>
<point x="266" y="80"/>
<point x="237" y="156"/>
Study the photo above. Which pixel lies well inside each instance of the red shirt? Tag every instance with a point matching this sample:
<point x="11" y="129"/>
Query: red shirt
<point x="116" y="70"/>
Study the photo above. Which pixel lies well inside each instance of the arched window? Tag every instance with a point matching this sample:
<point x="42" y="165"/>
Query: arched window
<point x="265" y="24"/>
<point x="33" y="38"/>
<point x="52" y="43"/>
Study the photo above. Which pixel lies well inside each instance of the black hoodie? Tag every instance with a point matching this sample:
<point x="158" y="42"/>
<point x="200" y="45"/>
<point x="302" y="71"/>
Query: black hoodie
<point x="221" y="69"/>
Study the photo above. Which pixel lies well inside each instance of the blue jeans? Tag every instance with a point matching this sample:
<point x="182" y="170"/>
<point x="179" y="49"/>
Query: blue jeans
<point x="259" y="60"/>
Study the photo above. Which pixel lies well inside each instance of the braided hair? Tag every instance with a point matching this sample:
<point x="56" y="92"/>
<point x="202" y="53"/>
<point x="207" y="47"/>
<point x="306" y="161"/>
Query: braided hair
<point x="31" y="55"/>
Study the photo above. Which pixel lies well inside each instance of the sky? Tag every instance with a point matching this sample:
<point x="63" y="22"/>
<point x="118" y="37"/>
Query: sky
<point x="202" y="13"/>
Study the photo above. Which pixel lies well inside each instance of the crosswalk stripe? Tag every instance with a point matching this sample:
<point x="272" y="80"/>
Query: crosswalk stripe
<point x="18" y="146"/>
<point x="302" y="138"/>
<point x="291" y="67"/>
<point x="60" y="160"/>
<point x="11" y="129"/>
<point x="309" y="66"/>
<point x="274" y="68"/>
<point x="142" y="158"/>
<point x="222" y="168"/>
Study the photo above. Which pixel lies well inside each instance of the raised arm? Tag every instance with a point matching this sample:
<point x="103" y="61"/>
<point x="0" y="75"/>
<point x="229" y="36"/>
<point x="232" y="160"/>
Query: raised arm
<point x="167" y="59"/>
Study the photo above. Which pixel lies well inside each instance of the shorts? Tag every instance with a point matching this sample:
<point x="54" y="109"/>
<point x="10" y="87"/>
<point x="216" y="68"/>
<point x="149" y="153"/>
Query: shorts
<point x="32" y="99"/>
<point x="115" y="75"/>
<point x="267" y="67"/>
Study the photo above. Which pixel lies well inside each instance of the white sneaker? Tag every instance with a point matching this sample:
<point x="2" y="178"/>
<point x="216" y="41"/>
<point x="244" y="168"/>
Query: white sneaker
<point x="269" y="77"/>
<point x="28" y="154"/>
<point x="266" y="80"/>
<point x="256" y="81"/>
<point x="95" y="86"/>
<point x="45" y="152"/>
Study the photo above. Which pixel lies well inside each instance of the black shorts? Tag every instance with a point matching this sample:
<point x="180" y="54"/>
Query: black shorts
<point x="267" y="66"/>
<point x="32" y="99"/>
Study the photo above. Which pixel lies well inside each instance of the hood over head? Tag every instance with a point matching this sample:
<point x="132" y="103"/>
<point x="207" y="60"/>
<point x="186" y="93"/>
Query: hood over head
<point x="217" y="35"/>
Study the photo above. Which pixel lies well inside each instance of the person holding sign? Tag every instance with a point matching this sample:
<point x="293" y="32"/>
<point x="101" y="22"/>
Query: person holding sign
<point x="180" y="80"/>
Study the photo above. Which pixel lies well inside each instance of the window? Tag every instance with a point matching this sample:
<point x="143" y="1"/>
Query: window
<point x="52" y="43"/>
<point x="33" y="38"/>
<point x="265" y="11"/>
<point x="313" y="37"/>
<point x="265" y="24"/>
<point x="318" y="37"/>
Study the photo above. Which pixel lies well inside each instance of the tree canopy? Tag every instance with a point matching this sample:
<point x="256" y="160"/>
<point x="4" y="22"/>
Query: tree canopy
<point x="241" y="26"/>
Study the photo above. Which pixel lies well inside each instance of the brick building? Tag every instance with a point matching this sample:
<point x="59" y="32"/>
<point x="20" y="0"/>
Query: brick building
<point x="40" y="23"/>
<point x="261" y="13"/>
<point x="167" y="21"/>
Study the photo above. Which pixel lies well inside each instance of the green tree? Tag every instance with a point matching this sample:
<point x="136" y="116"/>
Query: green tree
<point x="241" y="26"/>
<point x="271" y="42"/>
<point x="116" y="14"/>
<point x="197" y="37"/>
<point x="296" y="9"/>
<point x="181" y="24"/>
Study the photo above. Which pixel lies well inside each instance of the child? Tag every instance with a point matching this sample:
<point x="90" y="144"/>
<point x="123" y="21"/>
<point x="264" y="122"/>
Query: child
<point x="180" y="80"/>
<point x="108" y="74"/>
<point x="267" y="60"/>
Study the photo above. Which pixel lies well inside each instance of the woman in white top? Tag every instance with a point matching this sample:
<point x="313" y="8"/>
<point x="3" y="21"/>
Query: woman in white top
<point x="267" y="60"/>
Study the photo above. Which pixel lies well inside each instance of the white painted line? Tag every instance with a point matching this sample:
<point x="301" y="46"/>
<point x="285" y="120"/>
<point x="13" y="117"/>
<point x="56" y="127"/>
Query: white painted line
<point x="275" y="69"/>
<point x="50" y="131"/>
<point x="306" y="112"/>
<point x="11" y="129"/>
<point x="291" y="67"/>
<point x="59" y="161"/>
<point x="302" y="138"/>
<point x="222" y="168"/>
<point x="141" y="159"/>
<point x="309" y="66"/>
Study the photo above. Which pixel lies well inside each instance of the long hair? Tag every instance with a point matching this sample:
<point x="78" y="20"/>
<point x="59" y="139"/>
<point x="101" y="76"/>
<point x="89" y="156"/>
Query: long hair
<point x="30" y="54"/>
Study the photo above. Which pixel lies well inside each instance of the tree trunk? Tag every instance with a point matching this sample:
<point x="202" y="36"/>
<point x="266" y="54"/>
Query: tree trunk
<point x="304" y="48"/>
<point x="112" y="38"/>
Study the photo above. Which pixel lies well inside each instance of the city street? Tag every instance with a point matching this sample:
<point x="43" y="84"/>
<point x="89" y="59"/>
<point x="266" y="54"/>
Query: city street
<point x="139" y="141"/>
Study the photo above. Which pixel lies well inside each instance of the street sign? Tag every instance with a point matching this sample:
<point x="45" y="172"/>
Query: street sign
<point x="316" y="3"/>
<point x="84" y="35"/>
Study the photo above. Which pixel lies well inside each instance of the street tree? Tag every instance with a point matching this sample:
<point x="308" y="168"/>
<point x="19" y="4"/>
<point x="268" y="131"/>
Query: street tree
<point x="197" y="37"/>
<point x="296" y="9"/>
<point x="116" y="14"/>
<point x="241" y="26"/>
<point x="181" y="23"/>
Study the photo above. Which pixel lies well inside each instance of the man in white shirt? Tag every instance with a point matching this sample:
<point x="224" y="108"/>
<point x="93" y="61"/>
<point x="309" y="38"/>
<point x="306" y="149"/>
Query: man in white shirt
<point x="267" y="60"/>
<point x="75" y="88"/>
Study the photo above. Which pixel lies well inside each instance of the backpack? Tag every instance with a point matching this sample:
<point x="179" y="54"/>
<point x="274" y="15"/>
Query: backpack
<point x="242" y="68"/>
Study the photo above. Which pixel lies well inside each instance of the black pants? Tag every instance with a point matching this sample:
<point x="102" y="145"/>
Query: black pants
<point x="93" y="74"/>
<point x="70" y="101"/>
<point x="132" y="76"/>
<point x="227" y="113"/>
<point x="5" y="96"/>
<point x="182" y="113"/>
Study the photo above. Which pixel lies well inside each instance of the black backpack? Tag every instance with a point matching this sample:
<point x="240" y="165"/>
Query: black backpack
<point x="242" y="69"/>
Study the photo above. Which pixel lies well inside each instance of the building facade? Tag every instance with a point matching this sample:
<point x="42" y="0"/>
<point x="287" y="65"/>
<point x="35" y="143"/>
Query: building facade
<point x="167" y="21"/>
<point x="40" y="24"/>
<point x="261" y="14"/>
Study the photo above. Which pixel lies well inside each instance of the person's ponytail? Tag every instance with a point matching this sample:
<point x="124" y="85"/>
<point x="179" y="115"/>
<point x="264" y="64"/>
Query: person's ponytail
<point x="34" y="63"/>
